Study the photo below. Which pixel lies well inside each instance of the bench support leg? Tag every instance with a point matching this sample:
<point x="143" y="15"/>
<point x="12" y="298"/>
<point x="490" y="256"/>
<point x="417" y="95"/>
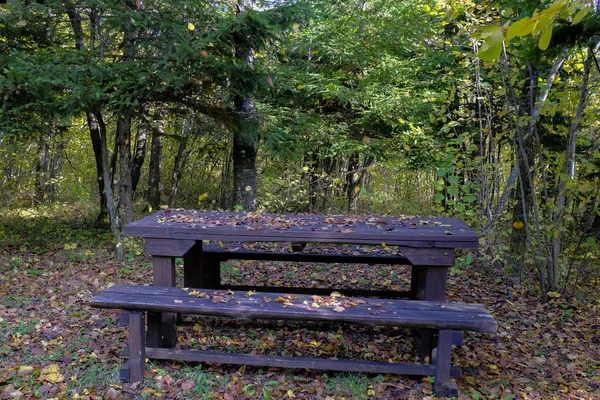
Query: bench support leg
<point x="442" y="386"/>
<point x="137" y="346"/>
<point x="162" y="327"/>
<point x="200" y="270"/>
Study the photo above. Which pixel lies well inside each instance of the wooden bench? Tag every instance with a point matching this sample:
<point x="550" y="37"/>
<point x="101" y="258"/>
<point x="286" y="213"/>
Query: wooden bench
<point x="442" y="317"/>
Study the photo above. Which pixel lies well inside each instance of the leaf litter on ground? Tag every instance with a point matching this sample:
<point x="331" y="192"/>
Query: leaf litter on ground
<point x="52" y="344"/>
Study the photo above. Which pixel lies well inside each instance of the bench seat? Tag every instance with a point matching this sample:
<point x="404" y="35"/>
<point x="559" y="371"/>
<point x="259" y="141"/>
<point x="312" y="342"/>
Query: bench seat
<point x="443" y="317"/>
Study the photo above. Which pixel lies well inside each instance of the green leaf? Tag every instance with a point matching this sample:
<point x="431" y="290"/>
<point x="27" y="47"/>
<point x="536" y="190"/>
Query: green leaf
<point x="441" y="172"/>
<point x="490" y="53"/>
<point x="492" y="44"/>
<point x="579" y="16"/>
<point x="469" y="199"/>
<point x="543" y="21"/>
<point x="439" y="197"/>
<point x="520" y="28"/>
<point x="545" y="38"/>
<point x="590" y="241"/>
<point x="453" y="190"/>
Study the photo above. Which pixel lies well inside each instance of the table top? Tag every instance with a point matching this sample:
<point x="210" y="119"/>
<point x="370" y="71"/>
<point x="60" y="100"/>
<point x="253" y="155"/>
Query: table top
<point x="403" y="230"/>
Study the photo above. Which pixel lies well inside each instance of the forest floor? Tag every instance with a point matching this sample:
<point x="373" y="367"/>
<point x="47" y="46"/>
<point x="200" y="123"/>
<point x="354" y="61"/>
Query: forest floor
<point x="53" y="345"/>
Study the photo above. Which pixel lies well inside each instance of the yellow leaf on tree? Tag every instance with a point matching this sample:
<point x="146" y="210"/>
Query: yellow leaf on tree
<point x="518" y="224"/>
<point x="520" y="28"/>
<point x="579" y="16"/>
<point x="545" y="38"/>
<point x="191" y="26"/>
<point x="296" y="26"/>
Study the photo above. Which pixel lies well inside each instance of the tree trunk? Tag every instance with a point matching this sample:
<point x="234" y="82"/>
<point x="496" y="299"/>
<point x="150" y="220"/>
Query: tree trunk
<point x="312" y="162"/>
<point x="97" y="147"/>
<point x="125" y="166"/>
<point x="75" y="19"/>
<point x="54" y="167"/>
<point x="155" y="158"/>
<point x="244" y="138"/>
<point x="124" y="136"/>
<point x="141" y="139"/>
<point x="110" y="203"/>
<point x="567" y="171"/>
<point x="184" y="150"/>
<point x="352" y="182"/>
<point x="42" y="170"/>
<point x="523" y="200"/>
<point x="244" y="172"/>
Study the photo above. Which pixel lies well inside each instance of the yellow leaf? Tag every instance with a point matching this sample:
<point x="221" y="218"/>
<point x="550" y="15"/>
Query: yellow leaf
<point x="51" y="373"/>
<point x="300" y="87"/>
<point x="492" y="44"/>
<point x="25" y="370"/>
<point x="545" y="38"/>
<point x="290" y="394"/>
<point x="296" y="26"/>
<point x="406" y="147"/>
<point x="579" y="16"/>
<point x="520" y="28"/>
<point x="164" y="207"/>
<point x="518" y="224"/>
<point x="202" y="196"/>
<point x="554" y="295"/>
<point x="191" y="26"/>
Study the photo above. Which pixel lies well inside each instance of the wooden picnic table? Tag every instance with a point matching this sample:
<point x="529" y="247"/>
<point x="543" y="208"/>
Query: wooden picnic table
<point x="425" y="243"/>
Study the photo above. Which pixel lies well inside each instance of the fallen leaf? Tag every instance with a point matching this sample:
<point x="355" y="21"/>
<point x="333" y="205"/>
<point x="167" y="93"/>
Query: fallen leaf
<point x="25" y="370"/>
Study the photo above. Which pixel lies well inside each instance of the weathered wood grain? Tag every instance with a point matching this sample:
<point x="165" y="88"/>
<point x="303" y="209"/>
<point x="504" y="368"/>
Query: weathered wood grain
<point x="240" y="305"/>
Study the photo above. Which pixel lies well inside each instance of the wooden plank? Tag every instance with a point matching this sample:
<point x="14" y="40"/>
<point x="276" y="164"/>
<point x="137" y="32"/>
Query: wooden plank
<point x="322" y="291"/>
<point x="167" y="247"/>
<point x="428" y="256"/>
<point x="137" y="346"/>
<point x="201" y="269"/>
<point x="239" y="305"/>
<point x="309" y="257"/>
<point x="298" y="247"/>
<point x="294" y="362"/>
<point x="442" y="386"/>
<point x="162" y="328"/>
<point x="194" y="225"/>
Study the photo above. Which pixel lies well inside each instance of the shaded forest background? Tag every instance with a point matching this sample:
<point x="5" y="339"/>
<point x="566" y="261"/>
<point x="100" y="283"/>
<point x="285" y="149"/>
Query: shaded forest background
<point x="483" y="110"/>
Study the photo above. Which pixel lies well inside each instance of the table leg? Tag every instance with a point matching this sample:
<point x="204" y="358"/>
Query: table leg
<point x="162" y="327"/>
<point x="199" y="270"/>
<point x="427" y="283"/>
